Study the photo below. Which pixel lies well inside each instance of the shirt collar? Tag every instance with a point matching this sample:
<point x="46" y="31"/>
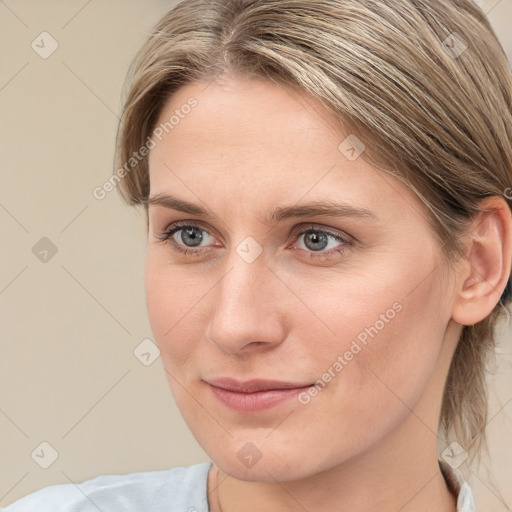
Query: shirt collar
<point x="459" y="487"/>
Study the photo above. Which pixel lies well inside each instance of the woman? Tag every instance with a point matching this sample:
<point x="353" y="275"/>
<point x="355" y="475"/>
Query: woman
<point x="329" y="245"/>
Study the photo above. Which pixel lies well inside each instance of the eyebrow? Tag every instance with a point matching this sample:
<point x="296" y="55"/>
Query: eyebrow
<point x="315" y="208"/>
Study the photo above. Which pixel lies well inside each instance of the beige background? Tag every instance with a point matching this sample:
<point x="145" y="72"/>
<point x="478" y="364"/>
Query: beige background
<point x="69" y="326"/>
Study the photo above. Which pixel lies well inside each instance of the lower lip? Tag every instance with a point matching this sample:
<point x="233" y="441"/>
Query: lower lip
<point x="257" y="401"/>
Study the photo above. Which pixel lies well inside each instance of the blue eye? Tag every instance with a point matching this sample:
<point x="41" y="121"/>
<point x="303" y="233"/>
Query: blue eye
<point x="316" y="240"/>
<point x="190" y="234"/>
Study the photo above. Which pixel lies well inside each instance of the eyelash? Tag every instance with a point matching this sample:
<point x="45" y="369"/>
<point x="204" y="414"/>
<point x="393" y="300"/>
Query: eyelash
<point x="167" y="236"/>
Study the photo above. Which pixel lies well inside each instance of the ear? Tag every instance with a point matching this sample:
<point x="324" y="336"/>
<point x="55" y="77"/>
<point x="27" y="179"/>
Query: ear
<point x="485" y="271"/>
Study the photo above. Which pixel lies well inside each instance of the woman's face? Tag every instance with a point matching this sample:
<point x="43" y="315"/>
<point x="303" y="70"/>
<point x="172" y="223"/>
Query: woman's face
<point x="350" y="305"/>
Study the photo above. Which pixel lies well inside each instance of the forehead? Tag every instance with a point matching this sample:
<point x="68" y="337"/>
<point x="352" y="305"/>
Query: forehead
<point x="241" y="115"/>
<point x="244" y="129"/>
<point x="258" y="143"/>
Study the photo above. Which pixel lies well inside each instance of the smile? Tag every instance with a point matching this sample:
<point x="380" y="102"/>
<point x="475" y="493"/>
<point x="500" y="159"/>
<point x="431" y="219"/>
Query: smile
<point x="254" y="396"/>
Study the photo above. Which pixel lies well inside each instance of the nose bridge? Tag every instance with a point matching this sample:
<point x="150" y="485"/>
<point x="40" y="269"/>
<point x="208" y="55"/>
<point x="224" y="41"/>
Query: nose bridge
<point x="246" y="309"/>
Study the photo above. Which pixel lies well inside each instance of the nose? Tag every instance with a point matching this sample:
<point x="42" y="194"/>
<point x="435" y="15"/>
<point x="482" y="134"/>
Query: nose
<point x="250" y="308"/>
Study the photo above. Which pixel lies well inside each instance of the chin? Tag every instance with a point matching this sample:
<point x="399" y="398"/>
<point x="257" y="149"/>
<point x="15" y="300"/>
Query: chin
<point x="267" y="469"/>
<point x="269" y="460"/>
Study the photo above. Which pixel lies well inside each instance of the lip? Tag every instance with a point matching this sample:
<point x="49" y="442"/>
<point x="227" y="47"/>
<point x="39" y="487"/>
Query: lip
<point x="254" y="395"/>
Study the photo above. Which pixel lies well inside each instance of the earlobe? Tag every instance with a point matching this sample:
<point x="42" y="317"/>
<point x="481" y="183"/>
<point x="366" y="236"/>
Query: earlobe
<point x="486" y="269"/>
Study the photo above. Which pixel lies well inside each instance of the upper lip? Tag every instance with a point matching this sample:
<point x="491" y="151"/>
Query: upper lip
<point x="251" y="386"/>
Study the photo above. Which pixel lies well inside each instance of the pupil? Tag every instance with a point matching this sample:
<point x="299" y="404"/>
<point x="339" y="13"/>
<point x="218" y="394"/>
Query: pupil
<point x="316" y="237"/>
<point x="191" y="236"/>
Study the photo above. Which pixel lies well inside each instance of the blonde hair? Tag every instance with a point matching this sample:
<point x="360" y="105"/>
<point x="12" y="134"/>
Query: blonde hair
<point x="424" y="83"/>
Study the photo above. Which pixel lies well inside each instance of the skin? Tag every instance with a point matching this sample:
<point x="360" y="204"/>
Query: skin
<point x="368" y="440"/>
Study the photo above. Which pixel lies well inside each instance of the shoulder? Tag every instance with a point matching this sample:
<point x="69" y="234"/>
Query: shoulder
<point x="179" y="488"/>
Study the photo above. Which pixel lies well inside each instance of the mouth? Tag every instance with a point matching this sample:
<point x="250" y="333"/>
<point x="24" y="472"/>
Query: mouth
<point x="254" y="395"/>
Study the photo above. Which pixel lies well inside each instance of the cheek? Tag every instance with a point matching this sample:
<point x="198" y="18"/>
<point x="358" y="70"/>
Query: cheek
<point x="405" y="352"/>
<point x="386" y="346"/>
<point x="173" y="305"/>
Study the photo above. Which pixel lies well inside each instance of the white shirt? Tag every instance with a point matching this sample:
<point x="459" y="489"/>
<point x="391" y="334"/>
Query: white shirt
<point x="180" y="489"/>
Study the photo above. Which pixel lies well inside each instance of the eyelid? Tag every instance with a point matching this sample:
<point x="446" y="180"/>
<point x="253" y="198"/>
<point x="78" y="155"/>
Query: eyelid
<point x="311" y="226"/>
<point x="169" y="231"/>
<point x="344" y="238"/>
<point x="297" y="230"/>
